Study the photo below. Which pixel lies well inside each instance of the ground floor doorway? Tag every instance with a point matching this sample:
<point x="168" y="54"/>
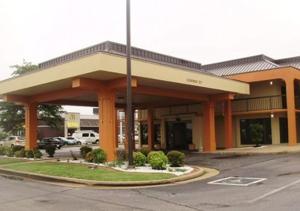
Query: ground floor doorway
<point x="178" y="135"/>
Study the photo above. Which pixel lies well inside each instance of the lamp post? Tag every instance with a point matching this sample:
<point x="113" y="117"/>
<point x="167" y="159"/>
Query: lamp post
<point x="129" y="91"/>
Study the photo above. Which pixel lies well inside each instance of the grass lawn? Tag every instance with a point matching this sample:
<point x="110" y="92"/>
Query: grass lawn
<point x="84" y="172"/>
<point x="4" y="161"/>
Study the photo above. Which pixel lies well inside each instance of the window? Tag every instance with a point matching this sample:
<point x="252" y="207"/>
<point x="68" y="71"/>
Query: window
<point x="92" y="135"/>
<point x="85" y="135"/>
<point x="246" y="133"/>
<point x="283" y="130"/>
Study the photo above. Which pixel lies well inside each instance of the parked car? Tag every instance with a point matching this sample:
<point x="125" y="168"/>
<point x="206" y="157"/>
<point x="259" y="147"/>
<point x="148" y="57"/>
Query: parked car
<point x="50" y="141"/>
<point x="13" y="141"/>
<point x="66" y="141"/>
<point x="86" y="136"/>
<point x="72" y="140"/>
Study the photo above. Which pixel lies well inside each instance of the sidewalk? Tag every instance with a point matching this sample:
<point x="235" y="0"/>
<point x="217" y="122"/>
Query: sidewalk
<point x="265" y="149"/>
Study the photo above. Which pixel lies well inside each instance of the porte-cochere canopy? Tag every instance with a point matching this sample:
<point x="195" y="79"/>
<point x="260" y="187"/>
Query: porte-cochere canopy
<point x="96" y="76"/>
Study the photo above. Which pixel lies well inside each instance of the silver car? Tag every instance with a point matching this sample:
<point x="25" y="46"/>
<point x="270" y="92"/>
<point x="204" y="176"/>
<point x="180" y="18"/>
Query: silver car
<point x="13" y="141"/>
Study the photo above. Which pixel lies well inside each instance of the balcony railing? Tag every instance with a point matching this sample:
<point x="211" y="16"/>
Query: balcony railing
<point x="259" y="103"/>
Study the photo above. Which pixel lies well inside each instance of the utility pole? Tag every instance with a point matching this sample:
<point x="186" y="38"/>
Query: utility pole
<point x="129" y="91"/>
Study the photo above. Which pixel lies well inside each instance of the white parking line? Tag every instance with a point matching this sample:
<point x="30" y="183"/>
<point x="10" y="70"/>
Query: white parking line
<point x="222" y="181"/>
<point x="274" y="191"/>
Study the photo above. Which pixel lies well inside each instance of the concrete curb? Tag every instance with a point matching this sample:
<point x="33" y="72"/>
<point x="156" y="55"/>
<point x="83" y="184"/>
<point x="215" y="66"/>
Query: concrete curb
<point x="197" y="172"/>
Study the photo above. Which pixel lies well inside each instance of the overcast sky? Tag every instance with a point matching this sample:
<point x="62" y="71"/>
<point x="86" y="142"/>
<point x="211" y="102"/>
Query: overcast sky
<point x="204" y="31"/>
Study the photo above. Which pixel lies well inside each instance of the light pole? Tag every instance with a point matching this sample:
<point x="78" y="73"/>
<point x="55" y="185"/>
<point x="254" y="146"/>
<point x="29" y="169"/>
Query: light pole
<point x="129" y="91"/>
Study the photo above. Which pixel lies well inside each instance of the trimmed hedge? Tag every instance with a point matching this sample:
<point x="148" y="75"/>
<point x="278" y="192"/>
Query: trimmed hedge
<point x="96" y="156"/>
<point x="139" y="159"/>
<point x="37" y="153"/>
<point x="158" y="160"/>
<point x="11" y="152"/>
<point x="50" y="149"/>
<point x="176" y="158"/>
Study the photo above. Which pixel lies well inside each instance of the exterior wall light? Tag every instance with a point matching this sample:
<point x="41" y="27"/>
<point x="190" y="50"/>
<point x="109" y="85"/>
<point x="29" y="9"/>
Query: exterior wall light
<point x="271" y="83"/>
<point x="272" y="115"/>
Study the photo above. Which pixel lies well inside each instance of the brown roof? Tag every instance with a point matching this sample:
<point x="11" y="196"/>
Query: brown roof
<point x="249" y="64"/>
<point x="120" y="49"/>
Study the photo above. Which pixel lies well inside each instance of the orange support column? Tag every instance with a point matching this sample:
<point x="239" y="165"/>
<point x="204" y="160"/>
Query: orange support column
<point x="228" y="124"/>
<point x="107" y="123"/>
<point x="291" y="112"/>
<point x="209" y="144"/>
<point x="150" y="128"/>
<point x="30" y="126"/>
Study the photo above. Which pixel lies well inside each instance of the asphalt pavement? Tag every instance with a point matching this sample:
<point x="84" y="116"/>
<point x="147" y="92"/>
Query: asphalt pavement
<point x="281" y="190"/>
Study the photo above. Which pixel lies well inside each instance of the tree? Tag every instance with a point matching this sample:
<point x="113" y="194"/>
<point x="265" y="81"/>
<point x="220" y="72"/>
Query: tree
<point x="24" y="68"/>
<point x="257" y="133"/>
<point x="12" y="116"/>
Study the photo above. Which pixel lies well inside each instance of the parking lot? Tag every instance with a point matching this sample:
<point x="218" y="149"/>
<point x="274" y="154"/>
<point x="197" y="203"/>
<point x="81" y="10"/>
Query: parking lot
<point x="280" y="190"/>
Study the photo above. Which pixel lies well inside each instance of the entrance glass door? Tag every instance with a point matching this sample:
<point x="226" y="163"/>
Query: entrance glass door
<point x="178" y="135"/>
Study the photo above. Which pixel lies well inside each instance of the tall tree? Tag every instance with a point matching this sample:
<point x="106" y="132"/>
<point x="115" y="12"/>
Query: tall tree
<point x="12" y="116"/>
<point x="24" y="68"/>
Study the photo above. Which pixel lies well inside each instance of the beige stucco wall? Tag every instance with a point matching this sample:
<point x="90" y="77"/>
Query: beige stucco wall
<point x="275" y="127"/>
<point x="198" y="132"/>
<point x="264" y="88"/>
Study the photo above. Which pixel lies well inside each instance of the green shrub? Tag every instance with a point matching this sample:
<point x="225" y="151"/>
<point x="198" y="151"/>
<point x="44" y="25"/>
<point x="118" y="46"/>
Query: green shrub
<point x="139" y="159"/>
<point x="176" y="158"/>
<point x="145" y="151"/>
<point x="20" y="153"/>
<point x="121" y="154"/>
<point x="155" y="154"/>
<point x="157" y="160"/>
<point x="96" y="156"/>
<point x="29" y="154"/>
<point x="50" y="149"/>
<point x="84" y="150"/>
<point x="16" y="148"/>
<point x="3" y="150"/>
<point x="9" y="152"/>
<point x="257" y="133"/>
<point x="37" y="153"/>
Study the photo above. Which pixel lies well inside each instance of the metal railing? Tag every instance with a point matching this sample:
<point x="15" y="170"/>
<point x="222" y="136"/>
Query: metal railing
<point x="259" y="103"/>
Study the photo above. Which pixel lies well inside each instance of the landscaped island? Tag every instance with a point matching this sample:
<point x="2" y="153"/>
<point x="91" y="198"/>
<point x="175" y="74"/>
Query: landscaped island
<point x="79" y="171"/>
